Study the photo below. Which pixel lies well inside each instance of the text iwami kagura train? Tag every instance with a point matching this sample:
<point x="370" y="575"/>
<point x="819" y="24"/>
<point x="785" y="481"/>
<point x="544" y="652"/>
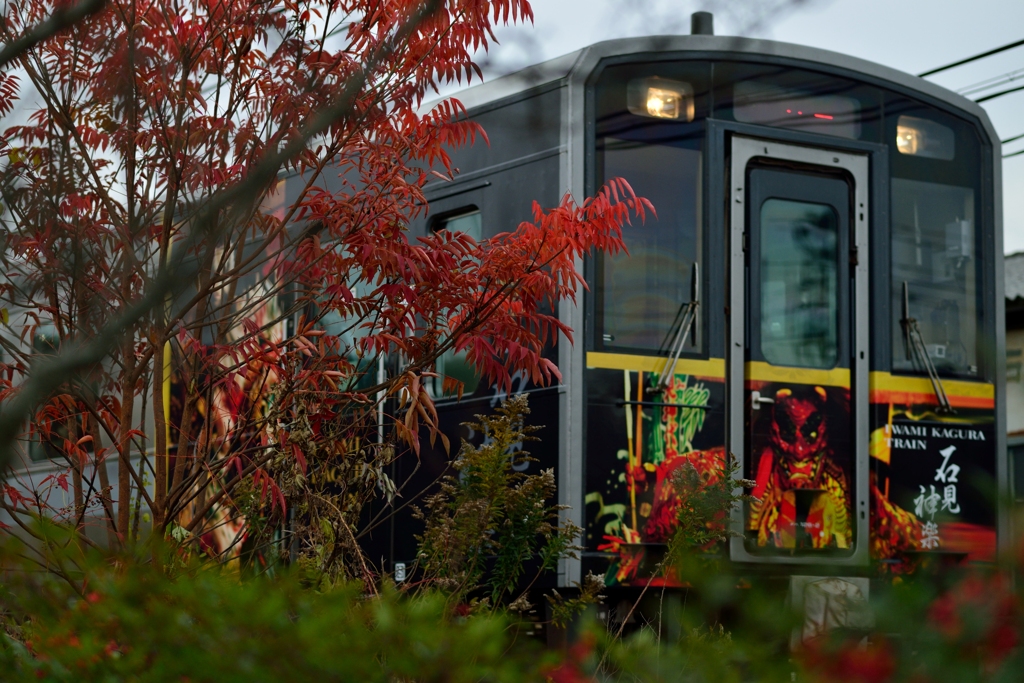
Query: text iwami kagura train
<point x="819" y="295"/>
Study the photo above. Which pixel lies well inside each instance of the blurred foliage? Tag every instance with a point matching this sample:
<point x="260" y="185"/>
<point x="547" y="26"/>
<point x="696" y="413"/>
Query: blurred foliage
<point x="705" y="502"/>
<point x="131" y="620"/>
<point x="101" y="617"/>
<point x="165" y="615"/>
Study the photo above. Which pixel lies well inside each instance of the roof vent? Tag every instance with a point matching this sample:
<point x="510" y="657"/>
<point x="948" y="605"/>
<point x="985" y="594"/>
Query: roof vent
<point x="702" y="24"/>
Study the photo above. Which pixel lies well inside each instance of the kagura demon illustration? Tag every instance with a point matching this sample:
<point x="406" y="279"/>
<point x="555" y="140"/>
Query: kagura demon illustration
<point x="803" y="497"/>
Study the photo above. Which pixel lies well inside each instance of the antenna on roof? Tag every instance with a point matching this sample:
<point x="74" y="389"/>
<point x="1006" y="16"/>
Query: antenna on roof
<point x="702" y="24"/>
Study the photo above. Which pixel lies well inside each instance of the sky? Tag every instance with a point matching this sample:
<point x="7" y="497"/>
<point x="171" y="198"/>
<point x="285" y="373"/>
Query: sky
<point x="909" y="35"/>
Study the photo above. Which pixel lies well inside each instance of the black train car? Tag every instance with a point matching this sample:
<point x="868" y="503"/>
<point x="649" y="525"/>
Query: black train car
<point x="820" y="295"/>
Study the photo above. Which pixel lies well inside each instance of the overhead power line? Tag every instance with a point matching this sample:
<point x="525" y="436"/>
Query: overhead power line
<point x="1013" y="139"/>
<point x="990" y="83"/>
<point x="994" y="95"/>
<point x="971" y="59"/>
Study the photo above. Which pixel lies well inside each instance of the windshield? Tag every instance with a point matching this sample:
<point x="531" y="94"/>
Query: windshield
<point x="933" y="252"/>
<point x="643" y="291"/>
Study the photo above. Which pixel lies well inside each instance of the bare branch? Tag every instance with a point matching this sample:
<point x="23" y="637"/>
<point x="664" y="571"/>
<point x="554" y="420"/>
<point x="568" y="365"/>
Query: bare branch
<point x="61" y="19"/>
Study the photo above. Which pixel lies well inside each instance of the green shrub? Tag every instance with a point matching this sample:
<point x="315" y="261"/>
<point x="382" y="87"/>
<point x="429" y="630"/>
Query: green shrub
<point x="133" y="622"/>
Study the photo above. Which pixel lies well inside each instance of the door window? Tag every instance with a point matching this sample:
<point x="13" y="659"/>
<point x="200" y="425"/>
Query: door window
<point x="799" y="283"/>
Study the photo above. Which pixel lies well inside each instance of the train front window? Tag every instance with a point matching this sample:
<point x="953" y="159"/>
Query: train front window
<point x="770" y="105"/>
<point x="934" y="275"/>
<point x="649" y="130"/>
<point x="795" y="99"/>
<point x="643" y="291"/>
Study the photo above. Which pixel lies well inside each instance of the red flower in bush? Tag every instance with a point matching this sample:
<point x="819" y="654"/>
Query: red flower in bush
<point x="989" y="602"/>
<point x="850" y="662"/>
<point x="569" y="670"/>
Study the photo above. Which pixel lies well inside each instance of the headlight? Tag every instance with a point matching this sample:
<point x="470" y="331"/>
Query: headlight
<point x="924" y="138"/>
<point x="660" y="98"/>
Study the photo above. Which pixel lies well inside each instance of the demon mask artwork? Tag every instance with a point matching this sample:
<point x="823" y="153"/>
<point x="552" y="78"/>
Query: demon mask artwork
<point x="802" y="494"/>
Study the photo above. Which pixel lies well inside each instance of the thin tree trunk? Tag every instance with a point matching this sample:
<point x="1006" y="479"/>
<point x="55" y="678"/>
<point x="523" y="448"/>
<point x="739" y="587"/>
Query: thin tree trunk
<point x="101" y="468"/>
<point x="76" y="470"/>
<point x="124" y="445"/>
<point x="184" y="442"/>
<point x="124" y="482"/>
<point x="160" y="438"/>
<point x="159" y="364"/>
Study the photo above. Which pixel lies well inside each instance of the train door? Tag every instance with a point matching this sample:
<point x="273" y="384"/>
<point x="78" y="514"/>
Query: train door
<point x="797" y="365"/>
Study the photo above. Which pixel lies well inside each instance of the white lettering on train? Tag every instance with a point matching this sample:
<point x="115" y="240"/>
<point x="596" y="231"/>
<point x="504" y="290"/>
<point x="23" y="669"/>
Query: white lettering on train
<point x="957" y="433"/>
<point x="909" y="430"/>
<point x="909" y="444"/>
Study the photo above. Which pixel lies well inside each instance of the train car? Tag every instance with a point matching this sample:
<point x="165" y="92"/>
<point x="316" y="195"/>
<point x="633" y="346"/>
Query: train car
<point x="820" y="295"/>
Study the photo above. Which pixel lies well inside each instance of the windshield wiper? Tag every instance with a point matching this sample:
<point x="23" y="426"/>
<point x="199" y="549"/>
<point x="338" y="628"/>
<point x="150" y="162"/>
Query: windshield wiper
<point x="917" y="349"/>
<point x="681" y="325"/>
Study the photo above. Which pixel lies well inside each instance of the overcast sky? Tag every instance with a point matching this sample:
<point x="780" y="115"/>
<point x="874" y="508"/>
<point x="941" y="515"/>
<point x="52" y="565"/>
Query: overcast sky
<point x="910" y="35"/>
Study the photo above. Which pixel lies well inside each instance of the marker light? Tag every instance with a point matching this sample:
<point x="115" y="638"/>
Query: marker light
<point x="924" y="138"/>
<point x="768" y="104"/>
<point x="660" y="98"/>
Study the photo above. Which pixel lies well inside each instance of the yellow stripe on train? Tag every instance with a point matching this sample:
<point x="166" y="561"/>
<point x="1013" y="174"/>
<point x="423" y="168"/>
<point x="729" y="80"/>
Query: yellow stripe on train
<point x="903" y="390"/>
<point x="884" y="386"/>
<point x="712" y="368"/>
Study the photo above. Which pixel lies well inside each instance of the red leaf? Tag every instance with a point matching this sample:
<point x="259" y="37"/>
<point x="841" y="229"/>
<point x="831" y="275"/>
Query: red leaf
<point x="299" y="457"/>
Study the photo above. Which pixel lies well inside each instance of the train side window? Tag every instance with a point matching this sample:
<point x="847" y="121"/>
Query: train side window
<point x="349" y="330"/>
<point x="641" y="293"/>
<point x="1016" y="454"/>
<point x="935" y="264"/>
<point x="46" y="342"/>
<point x="467" y="220"/>
<point x="455" y="364"/>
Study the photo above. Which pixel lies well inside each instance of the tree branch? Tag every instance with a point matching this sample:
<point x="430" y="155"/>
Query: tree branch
<point x="61" y="19"/>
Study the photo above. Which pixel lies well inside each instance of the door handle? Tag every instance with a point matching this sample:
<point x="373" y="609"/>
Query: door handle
<point x="756" y="400"/>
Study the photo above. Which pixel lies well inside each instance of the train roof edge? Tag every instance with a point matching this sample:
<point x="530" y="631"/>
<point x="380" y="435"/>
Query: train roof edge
<point x="584" y="60"/>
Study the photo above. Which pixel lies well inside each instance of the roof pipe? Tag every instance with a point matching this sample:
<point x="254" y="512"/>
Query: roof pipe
<point x="702" y="24"/>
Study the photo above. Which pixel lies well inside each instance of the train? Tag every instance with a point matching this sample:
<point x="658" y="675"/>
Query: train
<point x="819" y="300"/>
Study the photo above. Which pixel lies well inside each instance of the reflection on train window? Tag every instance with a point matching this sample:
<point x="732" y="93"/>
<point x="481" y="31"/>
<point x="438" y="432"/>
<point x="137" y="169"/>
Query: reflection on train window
<point x="642" y="292"/>
<point x="455" y="364"/>
<point x="771" y="105"/>
<point x="933" y="252"/>
<point x="799" y="284"/>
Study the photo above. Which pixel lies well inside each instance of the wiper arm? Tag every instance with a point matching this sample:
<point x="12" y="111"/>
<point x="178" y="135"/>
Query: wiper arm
<point x="688" y="314"/>
<point x="916" y="349"/>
